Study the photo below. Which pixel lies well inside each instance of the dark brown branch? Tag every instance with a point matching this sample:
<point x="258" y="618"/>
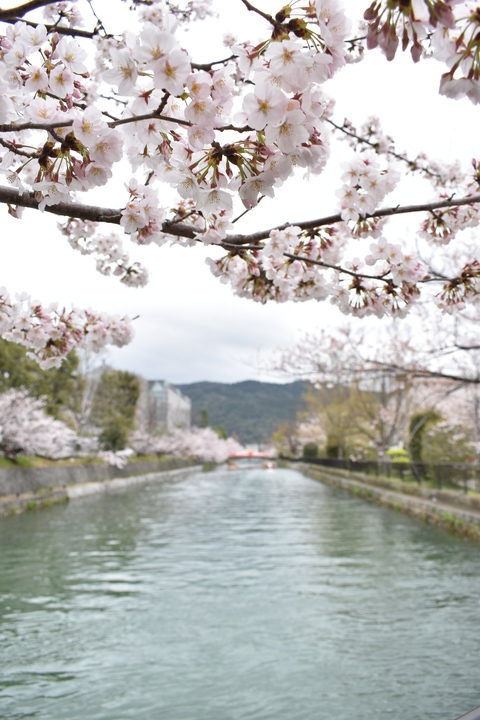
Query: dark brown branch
<point x="18" y="151"/>
<point x="11" y="196"/>
<point x="77" y="210"/>
<point x="265" y="15"/>
<point x="17" y="127"/>
<point x="14" y="197"/>
<point x="337" y="218"/>
<point x="60" y="29"/>
<point x="208" y="66"/>
<point x="21" y="10"/>
<point x="354" y="274"/>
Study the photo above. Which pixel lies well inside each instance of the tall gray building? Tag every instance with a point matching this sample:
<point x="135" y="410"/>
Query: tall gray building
<point x="163" y="408"/>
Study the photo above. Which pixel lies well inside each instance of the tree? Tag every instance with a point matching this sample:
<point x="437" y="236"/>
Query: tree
<point x="225" y="133"/>
<point x="25" y="428"/>
<point x="61" y="388"/>
<point x="202" y="443"/>
<point x="419" y="424"/>
<point x="114" y="407"/>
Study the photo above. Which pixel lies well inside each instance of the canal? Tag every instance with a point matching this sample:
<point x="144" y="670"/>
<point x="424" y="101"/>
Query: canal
<point x="235" y="595"/>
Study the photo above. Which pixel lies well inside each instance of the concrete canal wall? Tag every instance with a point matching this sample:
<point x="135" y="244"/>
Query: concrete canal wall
<point x="31" y="488"/>
<point x="446" y="508"/>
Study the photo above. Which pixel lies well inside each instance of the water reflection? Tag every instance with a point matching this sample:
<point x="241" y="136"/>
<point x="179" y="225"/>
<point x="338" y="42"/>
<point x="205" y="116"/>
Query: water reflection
<point x="235" y="595"/>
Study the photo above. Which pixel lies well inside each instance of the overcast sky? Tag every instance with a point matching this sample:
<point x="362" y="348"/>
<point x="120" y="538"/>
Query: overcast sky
<point x="190" y="327"/>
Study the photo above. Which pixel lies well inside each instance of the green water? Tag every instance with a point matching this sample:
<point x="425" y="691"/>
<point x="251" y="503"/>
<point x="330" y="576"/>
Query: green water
<point x="232" y="596"/>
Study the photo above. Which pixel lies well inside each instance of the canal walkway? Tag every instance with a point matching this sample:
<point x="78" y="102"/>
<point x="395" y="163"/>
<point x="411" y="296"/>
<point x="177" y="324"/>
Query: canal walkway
<point x="455" y="511"/>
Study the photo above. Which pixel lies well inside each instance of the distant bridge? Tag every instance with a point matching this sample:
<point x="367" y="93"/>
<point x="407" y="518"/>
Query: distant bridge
<point x="252" y="455"/>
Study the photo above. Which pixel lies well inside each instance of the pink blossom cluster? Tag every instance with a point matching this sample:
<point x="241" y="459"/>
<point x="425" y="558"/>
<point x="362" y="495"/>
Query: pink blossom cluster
<point x="51" y="332"/>
<point x="366" y="182"/>
<point x="26" y="428"/>
<point x="118" y="458"/>
<point x="447" y="30"/>
<point x="42" y="78"/>
<point x="111" y="258"/>
<point x="371" y="134"/>
<point x="142" y="218"/>
<point x="298" y="265"/>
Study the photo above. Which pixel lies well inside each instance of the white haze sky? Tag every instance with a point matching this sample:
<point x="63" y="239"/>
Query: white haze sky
<point x="190" y="327"/>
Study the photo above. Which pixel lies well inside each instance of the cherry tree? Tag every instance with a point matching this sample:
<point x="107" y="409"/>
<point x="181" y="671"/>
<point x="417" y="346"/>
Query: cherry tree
<point x="202" y="443"/>
<point x="78" y="102"/>
<point x="25" y="428"/>
<point x="380" y="377"/>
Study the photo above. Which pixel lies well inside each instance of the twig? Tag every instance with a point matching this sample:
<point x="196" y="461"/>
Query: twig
<point x="265" y="15"/>
<point x="411" y="163"/>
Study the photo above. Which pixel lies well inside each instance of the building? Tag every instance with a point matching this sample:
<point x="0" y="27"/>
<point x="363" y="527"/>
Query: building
<point x="162" y="408"/>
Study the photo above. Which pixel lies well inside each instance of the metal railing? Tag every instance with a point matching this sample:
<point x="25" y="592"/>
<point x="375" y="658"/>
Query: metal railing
<point x="455" y="476"/>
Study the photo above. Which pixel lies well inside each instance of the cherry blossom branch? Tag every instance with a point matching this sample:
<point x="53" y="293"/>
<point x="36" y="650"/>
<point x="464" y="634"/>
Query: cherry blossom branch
<point x="424" y="373"/>
<point x="339" y="269"/>
<point x="337" y="218"/>
<point x="412" y="164"/>
<point x="17" y="127"/>
<point x="208" y="66"/>
<point x="13" y="196"/>
<point x="15" y="149"/>
<point x="22" y="10"/>
<point x="60" y="29"/>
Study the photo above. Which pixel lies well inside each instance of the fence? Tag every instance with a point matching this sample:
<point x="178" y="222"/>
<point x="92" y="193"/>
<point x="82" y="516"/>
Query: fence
<point x="457" y="476"/>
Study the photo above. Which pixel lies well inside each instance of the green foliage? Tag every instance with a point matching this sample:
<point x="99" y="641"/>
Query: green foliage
<point x="398" y="455"/>
<point x="334" y="449"/>
<point x="445" y="443"/>
<point x="221" y="432"/>
<point x="114" y="435"/>
<point x="114" y="407"/>
<point x="203" y="419"/>
<point x="419" y="424"/>
<point x="285" y="439"/>
<point x="310" y="450"/>
<point x="61" y="387"/>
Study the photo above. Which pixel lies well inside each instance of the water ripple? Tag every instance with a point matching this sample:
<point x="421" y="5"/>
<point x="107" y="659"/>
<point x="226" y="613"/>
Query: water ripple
<point x="235" y="596"/>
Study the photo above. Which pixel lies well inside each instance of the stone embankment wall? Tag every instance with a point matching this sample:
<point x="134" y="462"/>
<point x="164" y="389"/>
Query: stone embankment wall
<point x="446" y="508"/>
<point x="31" y="488"/>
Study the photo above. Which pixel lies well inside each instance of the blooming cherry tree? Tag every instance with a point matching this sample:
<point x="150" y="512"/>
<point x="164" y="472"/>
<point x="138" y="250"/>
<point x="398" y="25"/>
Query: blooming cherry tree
<point x="76" y="100"/>
<point x="202" y="443"/>
<point x="26" y="428"/>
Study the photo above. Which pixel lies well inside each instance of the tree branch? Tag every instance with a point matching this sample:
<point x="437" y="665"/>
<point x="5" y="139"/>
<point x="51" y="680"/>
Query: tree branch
<point x="60" y="29"/>
<point x="413" y="165"/>
<point x="265" y="15"/>
<point x="424" y="373"/>
<point x="21" y="10"/>
<point x="17" y="127"/>
<point x="12" y="196"/>
<point x="337" y="218"/>
<point x="354" y="274"/>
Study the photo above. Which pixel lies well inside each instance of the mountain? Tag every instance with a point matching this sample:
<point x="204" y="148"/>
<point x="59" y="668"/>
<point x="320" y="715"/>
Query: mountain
<point x="250" y="410"/>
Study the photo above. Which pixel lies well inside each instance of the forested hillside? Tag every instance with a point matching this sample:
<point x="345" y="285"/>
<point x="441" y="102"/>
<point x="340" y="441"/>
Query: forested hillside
<point x="250" y="410"/>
